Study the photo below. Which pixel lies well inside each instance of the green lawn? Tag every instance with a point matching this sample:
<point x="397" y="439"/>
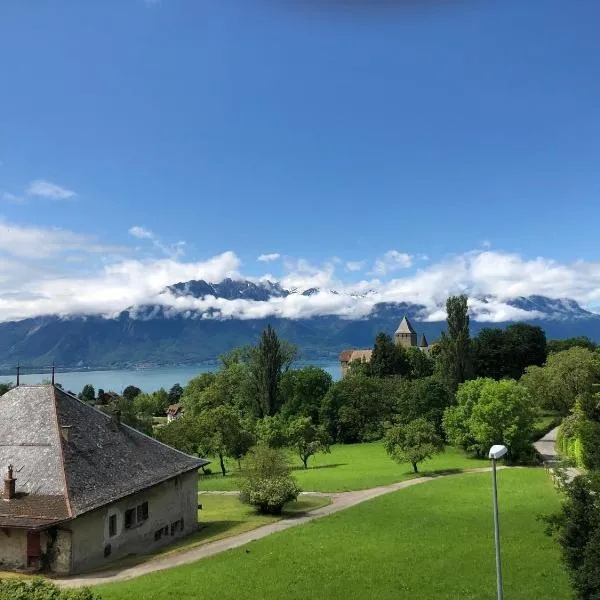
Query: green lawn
<point x="432" y="541"/>
<point x="222" y="517"/>
<point x="353" y="467"/>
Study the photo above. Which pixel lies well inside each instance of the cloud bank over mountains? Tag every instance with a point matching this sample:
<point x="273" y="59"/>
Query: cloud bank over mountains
<point x="60" y="272"/>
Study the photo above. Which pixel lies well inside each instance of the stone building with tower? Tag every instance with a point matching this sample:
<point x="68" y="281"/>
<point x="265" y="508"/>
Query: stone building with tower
<point x="405" y="336"/>
<point x="82" y="489"/>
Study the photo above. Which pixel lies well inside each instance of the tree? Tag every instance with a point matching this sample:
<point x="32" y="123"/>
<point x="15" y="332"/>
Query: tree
<point x="183" y="433"/>
<point x="426" y="397"/>
<point x="455" y="346"/>
<point x="268" y="360"/>
<point x="581" y="341"/>
<point x="88" y="394"/>
<point x="154" y="405"/>
<point x="221" y="433"/>
<point x="130" y="392"/>
<point x="100" y="399"/>
<point x="577" y="529"/>
<point x="271" y="431"/>
<point x="491" y="412"/>
<point x="420" y="364"/>
<point x="489" y="353"/>
<point x="387" y="358"/>
<point x="306" y="439"/>
<point x="302" y="392"/>
<point x="565" y="376"/>
<point x="413" y="442"/>
<point x="175" y="394"/>
<point x="5" y="387"/>
<point x="267" y="482"/>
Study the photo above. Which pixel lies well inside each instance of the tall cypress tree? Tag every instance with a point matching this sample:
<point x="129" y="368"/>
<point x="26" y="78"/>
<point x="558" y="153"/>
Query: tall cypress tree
<point x="269" y="360"/>
<point x="455" y="345"/>
<point x="388" y="359"/>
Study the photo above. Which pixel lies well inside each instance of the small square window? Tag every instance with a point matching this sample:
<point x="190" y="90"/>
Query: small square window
<point x="112" y="525"/>
<point x="129" y="518"/>
<point x="143" y="511"/>
<point x="158" y="535"/>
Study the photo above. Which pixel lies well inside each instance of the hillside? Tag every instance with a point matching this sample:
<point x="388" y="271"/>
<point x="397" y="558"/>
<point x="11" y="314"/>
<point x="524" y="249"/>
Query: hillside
<point x="154" y="335"/>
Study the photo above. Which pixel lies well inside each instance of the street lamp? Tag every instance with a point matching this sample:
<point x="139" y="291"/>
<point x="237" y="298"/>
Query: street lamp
<point x="497" y="451"/>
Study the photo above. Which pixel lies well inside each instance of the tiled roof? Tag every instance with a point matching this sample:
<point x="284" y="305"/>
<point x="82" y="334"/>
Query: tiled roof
<point x="405" y="326"/>
<point x="345" y="355"/>
<point x="423" y="341"/>
<point x="33" y="511"/>
<point x="99" y="463"/>
<point x="173" y="409"/>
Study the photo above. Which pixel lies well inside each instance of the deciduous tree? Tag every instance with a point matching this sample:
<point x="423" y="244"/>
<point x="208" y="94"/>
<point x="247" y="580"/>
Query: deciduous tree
<point x="413" y="442"/>
<point x="306" y="438"/>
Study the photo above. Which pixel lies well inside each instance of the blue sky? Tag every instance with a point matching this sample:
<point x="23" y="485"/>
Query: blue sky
<point x="437" y="135"/>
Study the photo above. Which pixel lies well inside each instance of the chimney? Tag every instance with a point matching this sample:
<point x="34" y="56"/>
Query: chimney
<point x="9" y="484"/>
<point x="65" y="431"/>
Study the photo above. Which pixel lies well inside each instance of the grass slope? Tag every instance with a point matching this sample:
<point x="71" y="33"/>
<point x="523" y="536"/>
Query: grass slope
<point x="428" y="542"/>
<point x="353" y="467"/>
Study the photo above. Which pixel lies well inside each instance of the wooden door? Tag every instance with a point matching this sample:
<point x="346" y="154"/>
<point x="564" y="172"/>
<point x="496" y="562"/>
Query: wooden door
<point x="34" y="548"/>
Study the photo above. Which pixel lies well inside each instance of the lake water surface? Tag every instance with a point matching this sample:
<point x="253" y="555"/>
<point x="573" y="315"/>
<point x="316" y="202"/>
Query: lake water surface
<point x="147" y="380"/>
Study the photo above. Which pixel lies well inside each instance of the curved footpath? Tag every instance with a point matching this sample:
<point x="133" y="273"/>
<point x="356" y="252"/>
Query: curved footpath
<point x="546" y="448"/>
<point x="339" y="501"/>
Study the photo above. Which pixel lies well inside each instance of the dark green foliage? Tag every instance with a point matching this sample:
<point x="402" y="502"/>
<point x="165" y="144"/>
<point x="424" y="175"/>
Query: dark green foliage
<point x="88" y="394"/>
<point x="413" y="442"/>
<point x="421" y="364"/>
<point x="100" y="399"/>
<point x="426" y="397"/>
<point x="130" y="392"/>
<point x="306" y="438"/>
<point x="388" y="358"/>
<point x="355" y="408"/>
<point x="581" y="341"/>
<point x="267" y="482"/>
<point x="182" y="433"/>
<point x="501" y="353"/>
<point x="175" y="394"/>
<point x="128" y="414"/>
<point x="589" y="436"/>
<point x="154" y="404"/>
<point x="302" y="391"/>
<point x="454" y="359"/>
<point x="267" y="362"/>
<point x="271" y="431"/>
<point x="40" y="589"/>
<point x="5" y="387"/>
<point x="577" y="528"/>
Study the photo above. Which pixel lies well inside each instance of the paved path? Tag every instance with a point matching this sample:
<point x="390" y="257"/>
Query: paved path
<point x="339" y="501"/>
<point x="546" y="447"/>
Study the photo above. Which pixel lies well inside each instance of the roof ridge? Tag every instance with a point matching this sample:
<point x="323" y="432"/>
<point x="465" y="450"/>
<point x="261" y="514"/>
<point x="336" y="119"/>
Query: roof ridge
<point x="62" y="455"/>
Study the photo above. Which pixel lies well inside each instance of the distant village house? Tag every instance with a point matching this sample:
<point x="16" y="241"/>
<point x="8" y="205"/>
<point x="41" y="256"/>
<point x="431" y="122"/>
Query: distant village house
<point x="82" y="489"/>
<point x="174" y="411"/>
<point x="404" y="336"/>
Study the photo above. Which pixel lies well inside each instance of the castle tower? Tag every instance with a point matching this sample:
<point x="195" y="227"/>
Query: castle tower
<point x="405" y="335"/>
<point x="423" y="342"/>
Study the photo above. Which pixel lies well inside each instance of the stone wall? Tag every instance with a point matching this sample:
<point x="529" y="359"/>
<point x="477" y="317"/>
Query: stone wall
<point x="13" y="549"/>
<point x="168" y="504"/>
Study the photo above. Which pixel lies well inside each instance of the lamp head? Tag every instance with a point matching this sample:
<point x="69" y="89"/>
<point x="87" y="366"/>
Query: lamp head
<point x="498" y="451"/>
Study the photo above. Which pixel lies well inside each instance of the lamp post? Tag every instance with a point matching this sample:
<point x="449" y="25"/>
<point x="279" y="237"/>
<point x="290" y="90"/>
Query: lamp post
<point x="496" y="452"/>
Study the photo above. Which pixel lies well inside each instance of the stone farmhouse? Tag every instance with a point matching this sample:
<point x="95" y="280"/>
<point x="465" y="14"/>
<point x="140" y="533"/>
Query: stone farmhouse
<point x="404" y="336"/>
<point x="81" y="488"/>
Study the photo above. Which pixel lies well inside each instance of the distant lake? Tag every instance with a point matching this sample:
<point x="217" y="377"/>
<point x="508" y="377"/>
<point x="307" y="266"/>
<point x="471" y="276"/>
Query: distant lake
<point x="147" y="380"/>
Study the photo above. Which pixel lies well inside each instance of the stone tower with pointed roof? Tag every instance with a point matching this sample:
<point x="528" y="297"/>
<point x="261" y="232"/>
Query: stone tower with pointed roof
<point x="405" y="335"/>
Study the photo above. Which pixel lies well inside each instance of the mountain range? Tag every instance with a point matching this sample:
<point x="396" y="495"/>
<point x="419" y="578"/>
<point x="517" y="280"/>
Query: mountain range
<point x="155" y="335"/>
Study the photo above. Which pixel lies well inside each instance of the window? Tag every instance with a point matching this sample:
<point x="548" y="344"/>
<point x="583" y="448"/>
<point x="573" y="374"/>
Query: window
<point x="107" y="550"/>
<point x="112" y="525"/>
<point x="136" y="516"/>
<point x="166" y="530"/>
<point x="158" y="535"/>
<point x="129" y="518"/>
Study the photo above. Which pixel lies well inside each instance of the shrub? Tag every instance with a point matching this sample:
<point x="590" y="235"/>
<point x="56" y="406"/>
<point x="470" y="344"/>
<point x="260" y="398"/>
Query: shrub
<point x="267" y="482"/>
<point x="39" y="589"/>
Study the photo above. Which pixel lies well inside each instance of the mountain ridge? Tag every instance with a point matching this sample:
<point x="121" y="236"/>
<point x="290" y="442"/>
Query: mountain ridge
<point x="155" y="334"/>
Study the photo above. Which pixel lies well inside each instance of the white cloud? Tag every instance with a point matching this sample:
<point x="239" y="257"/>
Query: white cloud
<point x="356" y="265"/>
<point x="12" y="198"/>
<point x="36" y="242"/>
<point x="47" y="189"/>
<point x="391" y="261"/>
<point x="140" y="232"/>
<point x="57" y="271"/>
<point x="269" y="257"/>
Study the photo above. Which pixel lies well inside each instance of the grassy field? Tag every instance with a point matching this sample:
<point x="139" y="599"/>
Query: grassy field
<point x="353" y="467"/>
<point x="432" y="541"/>
<point x="222" y="517"/>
